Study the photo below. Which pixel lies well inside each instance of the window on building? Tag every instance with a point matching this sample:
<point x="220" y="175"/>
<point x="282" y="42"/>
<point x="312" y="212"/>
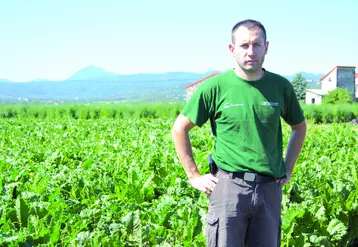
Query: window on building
<point x="313" y="100"/>
<point x="329" y="79"/>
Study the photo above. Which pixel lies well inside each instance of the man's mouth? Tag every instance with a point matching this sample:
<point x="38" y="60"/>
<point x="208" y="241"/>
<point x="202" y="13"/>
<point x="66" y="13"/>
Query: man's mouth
<point x="251" y="61"/>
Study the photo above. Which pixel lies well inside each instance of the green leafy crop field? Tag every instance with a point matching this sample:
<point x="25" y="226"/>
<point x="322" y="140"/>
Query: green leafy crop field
<point x="118" y="182"/>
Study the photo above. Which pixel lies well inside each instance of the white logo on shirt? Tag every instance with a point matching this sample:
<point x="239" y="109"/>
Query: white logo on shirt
<point x="228" y="104"/>
<point x="266" y="103"/>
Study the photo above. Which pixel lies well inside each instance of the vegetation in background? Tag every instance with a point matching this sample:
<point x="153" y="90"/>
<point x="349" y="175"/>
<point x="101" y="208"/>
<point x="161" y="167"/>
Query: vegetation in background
<point x="91" y="111"/>
<point x="338" y="96"/>
<point x="327" y="114"/>
<point x="300" y="86"/>
<point x="315" y="113"/>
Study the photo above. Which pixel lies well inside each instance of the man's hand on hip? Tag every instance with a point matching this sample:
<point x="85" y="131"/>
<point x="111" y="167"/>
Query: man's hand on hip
<point x="205" y="183"/>
<point x="285" y="180"/>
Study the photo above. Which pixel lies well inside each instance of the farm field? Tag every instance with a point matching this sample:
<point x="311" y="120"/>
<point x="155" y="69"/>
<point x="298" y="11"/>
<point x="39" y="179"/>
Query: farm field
<point x="117" y="182"/>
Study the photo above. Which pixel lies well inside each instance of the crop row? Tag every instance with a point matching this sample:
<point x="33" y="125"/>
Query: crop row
<point x="314" y="113"/>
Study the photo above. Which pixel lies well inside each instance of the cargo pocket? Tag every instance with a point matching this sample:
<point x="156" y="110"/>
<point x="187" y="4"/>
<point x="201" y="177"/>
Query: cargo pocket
<point x="211" y="231"/>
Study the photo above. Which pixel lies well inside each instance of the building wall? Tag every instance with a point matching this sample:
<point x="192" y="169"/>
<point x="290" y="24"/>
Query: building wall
<point x="330" y="82"/>
<point x="346" y="80"/>
<point x="310" y="97"/>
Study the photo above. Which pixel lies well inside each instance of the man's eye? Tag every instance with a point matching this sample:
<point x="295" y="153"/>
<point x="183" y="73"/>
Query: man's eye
<point x="244" y="46"/>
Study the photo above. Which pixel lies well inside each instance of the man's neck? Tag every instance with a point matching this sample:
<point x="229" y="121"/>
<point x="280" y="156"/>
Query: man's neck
<point x="249" y="76"/>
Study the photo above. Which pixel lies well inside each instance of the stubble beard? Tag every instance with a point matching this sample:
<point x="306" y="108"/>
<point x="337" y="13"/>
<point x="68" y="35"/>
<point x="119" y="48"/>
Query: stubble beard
<point x="251" y="69"/>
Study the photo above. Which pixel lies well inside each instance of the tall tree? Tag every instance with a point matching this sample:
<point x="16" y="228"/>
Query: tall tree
<point x="300" y="86"/>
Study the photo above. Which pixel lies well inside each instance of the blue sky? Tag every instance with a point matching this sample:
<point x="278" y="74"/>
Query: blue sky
<point x="54" y="39"/>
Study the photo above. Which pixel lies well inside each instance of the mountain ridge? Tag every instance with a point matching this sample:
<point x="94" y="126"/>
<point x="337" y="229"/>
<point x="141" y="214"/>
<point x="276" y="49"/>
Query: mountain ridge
<point x="92" y="72"/>
<point x="94" y="83"/>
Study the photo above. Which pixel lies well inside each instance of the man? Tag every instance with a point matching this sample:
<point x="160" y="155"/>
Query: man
<point x="244" y="106"/>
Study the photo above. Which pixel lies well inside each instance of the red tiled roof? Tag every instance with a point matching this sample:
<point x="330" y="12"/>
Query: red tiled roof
<point x="322" y="78"/>
<point x="201" y="80"/>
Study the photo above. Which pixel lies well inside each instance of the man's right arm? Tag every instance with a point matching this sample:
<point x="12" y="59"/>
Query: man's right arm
<point x="180" y="133"/>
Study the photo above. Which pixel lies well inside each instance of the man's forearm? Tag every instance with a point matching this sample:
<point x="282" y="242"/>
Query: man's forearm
<point x="184" y="151"/>
<point x="294" y="147"/>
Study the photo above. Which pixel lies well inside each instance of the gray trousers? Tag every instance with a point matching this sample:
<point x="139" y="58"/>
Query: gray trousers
<point x="244" y="213"/>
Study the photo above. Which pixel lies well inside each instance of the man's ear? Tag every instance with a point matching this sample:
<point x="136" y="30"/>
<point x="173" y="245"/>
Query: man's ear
<point x="231" y="48"/>
<point x="266" y="46"/>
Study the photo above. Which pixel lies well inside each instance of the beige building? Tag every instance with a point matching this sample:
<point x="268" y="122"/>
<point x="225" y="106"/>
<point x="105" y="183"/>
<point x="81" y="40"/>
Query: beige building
<point x="339" y="76"/>
<point x="314" y="96"/>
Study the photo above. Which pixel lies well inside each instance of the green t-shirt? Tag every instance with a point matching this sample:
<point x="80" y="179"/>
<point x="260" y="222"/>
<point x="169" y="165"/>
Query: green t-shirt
<point x="245" y="120"/>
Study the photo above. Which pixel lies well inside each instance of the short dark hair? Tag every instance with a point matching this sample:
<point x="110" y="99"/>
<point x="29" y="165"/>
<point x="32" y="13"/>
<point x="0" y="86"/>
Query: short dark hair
<point x="249" y="24"/>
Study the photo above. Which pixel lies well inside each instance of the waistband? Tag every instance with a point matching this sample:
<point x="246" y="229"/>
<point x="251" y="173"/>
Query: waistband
<point x="249" y="176"/>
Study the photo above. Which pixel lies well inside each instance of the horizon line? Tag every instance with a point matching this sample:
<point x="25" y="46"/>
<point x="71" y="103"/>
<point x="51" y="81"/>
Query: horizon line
<point x="138" y="73"/>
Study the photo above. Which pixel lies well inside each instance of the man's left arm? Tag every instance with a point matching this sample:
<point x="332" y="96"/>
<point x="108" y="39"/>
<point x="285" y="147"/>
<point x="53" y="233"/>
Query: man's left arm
<point x="295" y="143"/>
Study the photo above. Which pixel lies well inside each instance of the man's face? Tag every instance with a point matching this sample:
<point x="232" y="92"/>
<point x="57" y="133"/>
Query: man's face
<point x="249" y="49"/>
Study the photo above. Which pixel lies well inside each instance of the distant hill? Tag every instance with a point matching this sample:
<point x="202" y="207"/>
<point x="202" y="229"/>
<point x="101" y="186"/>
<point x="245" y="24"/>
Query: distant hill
<point x="308" y="76"/>
<point x="93" y="73"/>
<point x="5" y="81"/>
<point x="96" y="84"/>
<point x="311" y="79"/>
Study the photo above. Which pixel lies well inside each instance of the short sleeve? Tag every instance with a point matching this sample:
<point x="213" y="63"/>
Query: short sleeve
<point x="201" y="105"/>
<point x="293" y="113"/>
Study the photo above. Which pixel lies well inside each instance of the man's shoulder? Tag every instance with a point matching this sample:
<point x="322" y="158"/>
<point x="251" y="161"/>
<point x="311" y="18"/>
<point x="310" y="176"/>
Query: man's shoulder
<point x="277" y="78"/>
<point x="221" y="75"/>
<point x="217" y="79"/>
<point x="227" y="74"/>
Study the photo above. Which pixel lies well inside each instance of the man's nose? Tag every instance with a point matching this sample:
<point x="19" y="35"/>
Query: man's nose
<point x="251" y="50"/>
